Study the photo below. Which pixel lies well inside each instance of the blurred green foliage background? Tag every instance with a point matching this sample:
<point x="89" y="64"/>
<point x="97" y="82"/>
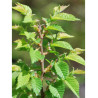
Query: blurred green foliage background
<point x="43" y="8"/>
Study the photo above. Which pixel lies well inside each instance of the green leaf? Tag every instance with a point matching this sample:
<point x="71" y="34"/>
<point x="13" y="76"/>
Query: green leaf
<point x="57" y="89"/>
<point x="17" y="28"/>
<point x="16" y="68"/>
<point x="30" y="35"/>
<point x="73" y="84"/>
<point x="78" y="51"/>
<point x="63" y="35"/>
<point x="35" y="55"/>
<point x="23" y="80"/>
<point x="77" y="71"/>
<point x="60" y="8"/>
<point x="36" y="85"/>
<point x="76" y="58"/>
<point x="29" y="85"/>
<point x="53" y="36"/>
<point x="62" y="44"/>
<point x="22" y="44"/>
<point x="27" y="19"/>
<point x="14" y="76"/>
<point x="54" y="91"/>
<point x="64" y="16"/>
<point x="23" y="9"/>
<point x="55" y="27"/>
<point x="62" y="69"/>
<point x="46" y="20"/>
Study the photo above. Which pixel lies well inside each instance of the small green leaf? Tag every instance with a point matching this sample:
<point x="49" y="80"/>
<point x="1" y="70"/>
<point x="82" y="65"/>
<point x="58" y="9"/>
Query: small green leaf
<point x="57" y="89"/>
<point x="55" y="27"/>
<point x="62" y="69"/>
<point x="22" y="44"/>
<point x="53" y="36"/>
<point x="78" y="51"/>
<point x="35" y="55"/>
<point x="17" y="28"/>
<point x="54" y="91"/>
<point x="46" y="20"/>
<point x="16" y="68"/>
<point x="60" y="8"/>
<point x="62" y="44"/>
<point x="27" y="19"/>
<point x="23" y="9"/>
<point x="14" y="76"/>
<point x="30" y="35"/>
<point x="73" y="84"/>
<point x="36" y="85"/>
<point x="77" y="71"/>
<point x="63" y="35"/>
<point x="23" y="80"/>
<point x="64" y="16"/>
<point x="76" y="58"/>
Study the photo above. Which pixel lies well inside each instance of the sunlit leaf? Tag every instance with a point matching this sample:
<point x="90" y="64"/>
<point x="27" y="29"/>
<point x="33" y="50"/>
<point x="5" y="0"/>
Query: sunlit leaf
<point x="77" y="71"/>
<point x="78" y="50"/>
<point x="64" y="16"/>
<point x="57" y="89"/>
<point x="35" y="55"/>
<point x="14" y="76"/>
<point x="24" y="9"/>
<point x="62" y="44"/>
<point x="23" y="80"/>
<point x="60" y="8"/>
<point x="62" y="69"/>
<point x="17" y="28"/>
<point x="76" y="58"/>
<point x="36" y="85"/>
<point x="63" y="35"/>
<point x="73" y="84"/>
<point x="27" y="19"/>
<point x="22" y="44"/>
<point x="16" y="68"/>
<point x="55" y="27"/>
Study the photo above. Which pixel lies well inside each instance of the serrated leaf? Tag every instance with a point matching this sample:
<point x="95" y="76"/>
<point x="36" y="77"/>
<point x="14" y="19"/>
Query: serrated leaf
<point x="16" y="68"/>
<point x="60" y="8"/>
<point x="73" y="84"/>
<point x="35" y="55"/>
<point x="63" y="35"/>
<point x="57" y="89"/>
<point x="54" y="91"/>
<point x="78" y="51"/>
<point x="24" y="9"/>
<point x="29" y="85"/>
<point x="76" y="58"/>
<point x="77" y="71"/>
<point x="22" y="44"/>
<point x="46" y="20"/>
<point x="23" y="80"/>
<point x="36" y="85"/>
<point x="17" y="28"/>
<point x="27" y="19"/>
<point x="55" y="27"/>
<point x="30" y="35"/>
<point x="62" y="44"/>
<point x="62" y="69"/>
<point x="53" y="36"/>
<point x="14" y="76"/>
<point x="64" y="16"/>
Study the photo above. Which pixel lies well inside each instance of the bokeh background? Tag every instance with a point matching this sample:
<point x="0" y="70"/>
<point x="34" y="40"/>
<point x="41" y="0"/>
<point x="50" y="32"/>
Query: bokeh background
<point x="42" y="8"/>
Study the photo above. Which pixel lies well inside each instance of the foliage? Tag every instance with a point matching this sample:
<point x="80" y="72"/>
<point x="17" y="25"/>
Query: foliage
<point x="49" y="81"/>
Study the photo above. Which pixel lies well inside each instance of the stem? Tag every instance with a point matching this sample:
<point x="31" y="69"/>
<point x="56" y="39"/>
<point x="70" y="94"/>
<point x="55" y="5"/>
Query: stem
<point x="42" y="61"/>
